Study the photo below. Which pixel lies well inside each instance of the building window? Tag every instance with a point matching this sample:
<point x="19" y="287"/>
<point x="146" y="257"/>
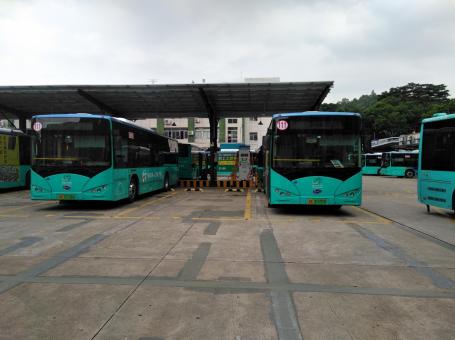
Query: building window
<point x="177" y="133"/>
<point x="202" y="134"/>
<point x="254" y="119"/>
<point x="232" y="135"/>
<point x="253" y="136"/>
<point x="232" y="120"/>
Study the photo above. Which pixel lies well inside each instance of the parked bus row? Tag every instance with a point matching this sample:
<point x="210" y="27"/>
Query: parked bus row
<point x="309" y="158"/>
<point x="392" y="163"/>
<point x="94" y="157"/>
<point x="14" y="158"/>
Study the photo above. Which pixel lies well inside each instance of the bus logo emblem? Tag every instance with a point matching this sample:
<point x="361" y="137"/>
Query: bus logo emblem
<point x="317" y="181"/>
<point x="282" y="125"/>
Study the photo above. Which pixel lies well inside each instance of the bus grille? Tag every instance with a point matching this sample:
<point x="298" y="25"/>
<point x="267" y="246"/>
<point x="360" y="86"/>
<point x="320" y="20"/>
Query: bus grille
<point x="437" y="189"/>
<point x="437" y="199"/>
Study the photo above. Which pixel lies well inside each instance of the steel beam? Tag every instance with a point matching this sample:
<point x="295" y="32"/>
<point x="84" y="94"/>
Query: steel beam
<point x="321" y="98"/>
<point x="4" y="109"/>
<point x="102" y="106"/>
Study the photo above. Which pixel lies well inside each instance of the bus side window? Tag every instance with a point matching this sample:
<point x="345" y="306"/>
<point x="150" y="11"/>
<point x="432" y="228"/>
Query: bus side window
<point x="120" y="146"/>
<point x="11" y="142"/>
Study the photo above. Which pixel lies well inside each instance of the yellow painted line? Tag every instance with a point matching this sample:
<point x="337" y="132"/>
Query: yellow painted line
<point x="443" y="213"/>
<point x="247" y="213"/>
<point x="123" y="212"/>
<point x="27" y="206"/>
<point x="439" y="211"/>
<point x="156" y="200"/>
<point x="155" y="218"/>
<point x="377" y="217"/>
<point x="127" y="211"/>
<point x="216" y="219"/>
<point x="14" y="216"/>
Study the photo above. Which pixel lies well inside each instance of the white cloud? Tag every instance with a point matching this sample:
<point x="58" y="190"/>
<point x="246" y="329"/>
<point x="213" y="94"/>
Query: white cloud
<point x="361" y="45"/>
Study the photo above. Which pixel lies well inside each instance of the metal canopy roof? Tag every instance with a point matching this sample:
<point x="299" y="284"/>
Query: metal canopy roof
<point x="170" y="101"/>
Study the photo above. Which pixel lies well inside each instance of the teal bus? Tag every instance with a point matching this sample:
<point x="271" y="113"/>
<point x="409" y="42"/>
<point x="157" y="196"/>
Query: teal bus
<point x="14" y="159"/>
<point x="192" y="161"/>
<point x="436" y="182"/>
<point x="257" y="165"/>
<point x="371" y="163"/>
<point x="96" y="157"/>
<point x="399" y="163"/>
<point x="313" y="158"/>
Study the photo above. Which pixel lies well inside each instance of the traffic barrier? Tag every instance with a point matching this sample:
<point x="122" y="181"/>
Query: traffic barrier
<point x="199" y="183"/>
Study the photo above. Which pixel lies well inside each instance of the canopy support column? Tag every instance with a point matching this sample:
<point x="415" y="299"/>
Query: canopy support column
<point x="23" y="124"/>
<point x="213" y="121"/>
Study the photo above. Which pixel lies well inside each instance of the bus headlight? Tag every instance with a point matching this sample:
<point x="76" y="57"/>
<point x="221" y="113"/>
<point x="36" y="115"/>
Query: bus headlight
<point x="38" y="189"/>
<point x="283" y="192"/>
<point x="350" y="194"/>
<point x="99" y="189"/>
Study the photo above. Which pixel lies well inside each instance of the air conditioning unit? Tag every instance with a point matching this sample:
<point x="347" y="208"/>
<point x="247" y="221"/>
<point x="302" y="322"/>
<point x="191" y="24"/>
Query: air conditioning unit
<point x="190" y="133"/>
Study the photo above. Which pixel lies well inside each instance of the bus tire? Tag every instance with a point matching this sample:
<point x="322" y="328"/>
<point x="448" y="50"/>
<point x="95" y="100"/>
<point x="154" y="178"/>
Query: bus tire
<point x="27" y="180"/>
<point x="409" y="173"/>
<point x="166" y="185"/>
<point x="132" y="189"/>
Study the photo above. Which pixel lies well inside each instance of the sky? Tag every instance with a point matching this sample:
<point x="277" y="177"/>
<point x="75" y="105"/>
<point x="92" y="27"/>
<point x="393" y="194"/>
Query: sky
<point x="362" y="45"/>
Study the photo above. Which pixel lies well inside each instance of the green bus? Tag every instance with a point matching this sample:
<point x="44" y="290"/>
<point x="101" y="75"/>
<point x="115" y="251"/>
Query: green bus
<point x="14" y="159"/>
<point x="371" y="163"/>
<point x="436" y="182"/>
<point x="399" y="163"/>
<point x="96" y="157"/>
<point x="313" y="158"/>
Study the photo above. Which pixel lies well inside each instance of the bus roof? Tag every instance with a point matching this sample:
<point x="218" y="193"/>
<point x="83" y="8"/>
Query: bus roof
<point x="6" y="131"/>
<point x="402" y="151"/>
<point x="315" y="113"/>
<point x="93" y="116"/>
<point x="438" y="117"/>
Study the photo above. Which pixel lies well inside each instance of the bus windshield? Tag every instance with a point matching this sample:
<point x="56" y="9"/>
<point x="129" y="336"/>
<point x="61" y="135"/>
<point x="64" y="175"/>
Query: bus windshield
<point x="317" y="142"/>
<point x="71" y="143"/>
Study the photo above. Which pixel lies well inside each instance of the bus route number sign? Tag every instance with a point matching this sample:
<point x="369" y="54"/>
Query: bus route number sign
<point x="37" y="126"/>
<point x="282" y="125"/>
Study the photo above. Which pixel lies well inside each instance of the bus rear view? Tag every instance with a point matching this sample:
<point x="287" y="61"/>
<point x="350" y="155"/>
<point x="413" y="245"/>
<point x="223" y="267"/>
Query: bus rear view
<point x="313" y="158"/>
<point x="436" y="182"/>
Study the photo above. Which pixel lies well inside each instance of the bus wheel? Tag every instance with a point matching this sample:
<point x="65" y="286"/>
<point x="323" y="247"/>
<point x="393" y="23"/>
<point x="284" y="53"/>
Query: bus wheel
<point x="409" y="173"/>
<point x="166" y="182"/>
<point x="132" y="190"/>
<point x="27" y="180"/>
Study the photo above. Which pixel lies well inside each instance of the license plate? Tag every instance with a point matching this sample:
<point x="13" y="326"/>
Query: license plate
<point x="317" y="201"/>
<point x="65" y="197"/>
